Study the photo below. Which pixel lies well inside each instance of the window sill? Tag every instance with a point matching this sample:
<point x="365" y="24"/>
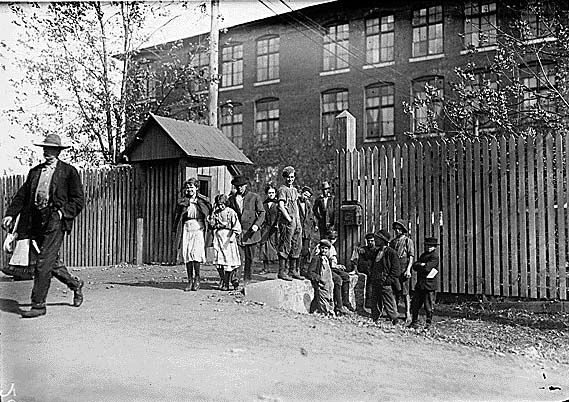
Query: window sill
<point x="386" y="138"/>
<point x="425" y="58"/>
<point x="378" y="65"/>
<point x="334" y="72"/>
<point x="539" y="40"/>
<point x="427" y="135"/>
<point x="231" y="88"/>
<point x="479" y="49"/>
<point x="261" y="83"/>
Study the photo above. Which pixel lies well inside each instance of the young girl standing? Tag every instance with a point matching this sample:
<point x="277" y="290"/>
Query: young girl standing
<point x="225" y="224"/>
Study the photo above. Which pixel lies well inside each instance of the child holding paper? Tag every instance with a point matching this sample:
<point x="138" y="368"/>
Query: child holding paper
<point x="425" y="290"/>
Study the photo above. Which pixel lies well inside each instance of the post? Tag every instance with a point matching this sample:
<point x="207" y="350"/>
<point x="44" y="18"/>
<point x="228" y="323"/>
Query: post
<point x="140" y="176"/>
<point x="213" y="62"/>
<point x="346" y="126"/>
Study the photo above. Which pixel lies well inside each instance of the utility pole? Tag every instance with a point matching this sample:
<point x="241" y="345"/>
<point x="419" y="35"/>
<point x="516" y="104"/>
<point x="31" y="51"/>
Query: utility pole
<point x="213" y="62"/>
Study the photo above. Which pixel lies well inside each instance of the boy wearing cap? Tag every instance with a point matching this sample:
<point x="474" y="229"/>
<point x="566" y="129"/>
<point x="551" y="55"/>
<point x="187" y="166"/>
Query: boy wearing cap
<point x="51" y="197"/>
<point x="290" y="228"/>
<point x="308" y="225"/>
<point x="384" y="276"/>
<point x="251" y="213"/>
<point x="405" y="249"/>
<point x="362" y="259"/>
<point x="324" y="211"/>
<point x="320" y="275"/>
<point x="425" y="290"/>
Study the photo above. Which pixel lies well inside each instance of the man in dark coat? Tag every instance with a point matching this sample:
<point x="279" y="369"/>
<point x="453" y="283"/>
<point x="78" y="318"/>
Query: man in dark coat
<point x="308" y="225"/>
<point x="51" y="197"/>
<point x="384" y="276"/>
<point x="425" y="290"/>
<point x="251" y="213"/>
<point x="324" y="211"/>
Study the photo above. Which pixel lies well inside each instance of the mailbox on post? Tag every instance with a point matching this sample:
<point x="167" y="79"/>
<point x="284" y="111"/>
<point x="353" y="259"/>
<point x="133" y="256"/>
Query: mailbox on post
<point x="352" y="213"/>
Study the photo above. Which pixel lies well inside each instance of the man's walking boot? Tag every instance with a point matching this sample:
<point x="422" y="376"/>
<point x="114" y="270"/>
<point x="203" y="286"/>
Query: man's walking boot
<point x="283" y="270"/>
<point x="295" y="274"/>
<point x="34" y="312"/>
<point x="190" y="272"/>
<point x="78" y="294"/>
<point x="346" y="296"/>
<point x="196" y="281"/>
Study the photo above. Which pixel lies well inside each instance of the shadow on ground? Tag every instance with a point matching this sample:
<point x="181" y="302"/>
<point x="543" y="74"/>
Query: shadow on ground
<point x="13" y="307"/>
<point x="544" y="321"/>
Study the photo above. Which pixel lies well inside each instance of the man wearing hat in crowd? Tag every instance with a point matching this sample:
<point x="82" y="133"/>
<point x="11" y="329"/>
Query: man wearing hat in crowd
<point x="51" y="197"/>
<point x="384" y="277"/>
<point x="405" y="249"/>
<point x="425" y="290"/>
<point x="324" y="211"/>
<point x="362" y="259"/>
<point x="308" y="227"/>
<point x="290" y="228"/>
<point x="251" y="214"/>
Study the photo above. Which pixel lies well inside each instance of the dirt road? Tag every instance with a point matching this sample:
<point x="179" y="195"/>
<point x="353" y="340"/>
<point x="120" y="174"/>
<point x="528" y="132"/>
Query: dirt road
<point x="138" y="337"/>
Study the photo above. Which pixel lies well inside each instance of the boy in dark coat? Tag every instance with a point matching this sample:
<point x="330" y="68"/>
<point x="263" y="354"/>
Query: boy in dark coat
<point x="251" y="214"/>
<point x="320" y="275"/>
<point x="384" y="276"/>
<point x="425" y="290"/>
<point x="362" y="260"/>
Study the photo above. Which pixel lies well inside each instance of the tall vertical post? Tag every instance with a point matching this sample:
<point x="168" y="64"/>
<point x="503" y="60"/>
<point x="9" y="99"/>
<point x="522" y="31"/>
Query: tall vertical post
<point x="346" y="128"/>
<point x="213" y="62"/>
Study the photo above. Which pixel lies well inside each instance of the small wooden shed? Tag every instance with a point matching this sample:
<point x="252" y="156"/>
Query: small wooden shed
<point x="164" y="153"/>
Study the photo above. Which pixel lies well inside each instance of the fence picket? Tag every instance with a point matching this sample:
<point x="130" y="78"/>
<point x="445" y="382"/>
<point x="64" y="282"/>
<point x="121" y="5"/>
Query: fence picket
<point x="541" y="241"/>
<point x="561" y="212"/>
<point x="550" y="209"/>
<point x="513" y="215"/>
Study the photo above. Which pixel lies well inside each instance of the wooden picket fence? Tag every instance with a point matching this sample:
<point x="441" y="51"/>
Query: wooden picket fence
<point x="105" y="231"/>
<point x="497" y="206"/>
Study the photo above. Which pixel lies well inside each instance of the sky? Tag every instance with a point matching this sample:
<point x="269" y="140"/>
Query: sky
<point x="188" y="22"/>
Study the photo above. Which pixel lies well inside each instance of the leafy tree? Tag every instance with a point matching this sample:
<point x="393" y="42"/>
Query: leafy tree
<point x="523" y="89"/>
<point x="84" y="61"/>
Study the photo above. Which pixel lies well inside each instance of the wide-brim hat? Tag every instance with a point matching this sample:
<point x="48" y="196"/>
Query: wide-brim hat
<point x="325" y="185"/>
<point x="400" y="224"/>
<point x="325" y="243"/>
<point x="431" y="241"/>
<point x="51" y="141"/>
<point x="239" y="181"/>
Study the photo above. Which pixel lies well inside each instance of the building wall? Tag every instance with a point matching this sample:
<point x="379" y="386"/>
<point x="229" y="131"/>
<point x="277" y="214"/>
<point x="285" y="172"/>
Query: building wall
<point x="301" y="83"/>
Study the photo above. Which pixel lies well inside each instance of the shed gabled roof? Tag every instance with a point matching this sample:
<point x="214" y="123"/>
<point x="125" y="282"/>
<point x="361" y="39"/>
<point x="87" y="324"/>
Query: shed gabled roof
<point x="206" y="145"/>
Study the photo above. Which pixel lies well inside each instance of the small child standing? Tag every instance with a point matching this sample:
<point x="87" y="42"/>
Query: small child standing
<point x="425" y="290"/>
<point x="320" y="275"/>
<point x="225" y="224"/>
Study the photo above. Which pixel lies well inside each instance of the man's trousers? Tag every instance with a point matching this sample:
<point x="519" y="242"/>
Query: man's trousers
<point x="49" y="240"/>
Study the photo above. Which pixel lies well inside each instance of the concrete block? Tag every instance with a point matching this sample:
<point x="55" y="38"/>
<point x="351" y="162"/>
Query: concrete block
<point x="290" y="295"/>
<point x="298" y="295"/>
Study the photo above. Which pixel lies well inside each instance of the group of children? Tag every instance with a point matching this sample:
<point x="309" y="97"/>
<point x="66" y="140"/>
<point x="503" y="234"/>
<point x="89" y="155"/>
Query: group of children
<point x="387" y="264"/>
